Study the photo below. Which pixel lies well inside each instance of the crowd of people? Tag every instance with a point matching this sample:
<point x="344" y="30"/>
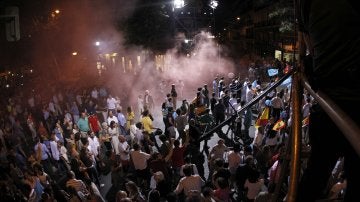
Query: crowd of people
<point x="57" y="148"/>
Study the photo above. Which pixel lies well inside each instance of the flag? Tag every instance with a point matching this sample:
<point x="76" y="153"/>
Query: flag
<point x="264" y="117"/>
<point x="280" y="124"/>
<point x="305" y="121"/>
<point x="272" y="72"/>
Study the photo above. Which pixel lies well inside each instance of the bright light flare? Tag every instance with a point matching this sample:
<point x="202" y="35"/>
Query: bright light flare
<point x="57" y="11"/>
<point x="238" y="18"/>
<point x="214" y="4"/>
<point x="74" y="53"/>
<point x="179" y="3"/>
<point x="97" y="43"/>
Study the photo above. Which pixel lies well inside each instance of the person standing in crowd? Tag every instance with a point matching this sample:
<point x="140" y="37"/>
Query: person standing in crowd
<point x="174" y="95"/>
<point x="111" y="104"/>
<point x="148" y="101"/>
<point x="83" y="125"/>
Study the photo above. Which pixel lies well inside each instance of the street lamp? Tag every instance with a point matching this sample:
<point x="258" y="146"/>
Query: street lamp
<point x="214" y="4"/>
<point x="179" y="3"/>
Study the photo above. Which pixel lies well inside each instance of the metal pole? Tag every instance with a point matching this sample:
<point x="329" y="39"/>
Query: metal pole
<point x="295" y="138"/>
<point x="348" y="127"/>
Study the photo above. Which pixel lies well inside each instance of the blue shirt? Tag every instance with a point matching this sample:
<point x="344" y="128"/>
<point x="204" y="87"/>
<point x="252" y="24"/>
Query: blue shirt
<point x="121" y="119"/>
<point x="44" y="151"/>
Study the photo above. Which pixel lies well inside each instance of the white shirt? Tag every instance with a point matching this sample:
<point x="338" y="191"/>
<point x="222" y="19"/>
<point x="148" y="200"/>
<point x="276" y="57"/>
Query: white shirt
<point x="63" y="152"/>
<point x="94" y="145"/>
<point x="111" y="103"/>
<point x="113" y="118"/>
<point x="124" y="147"/>
<point x="95" y="94"/>
<point x="139" y="136"/>
<point x="139" y="159"/>
<point x="249" y="94"/>
<point x="54" y="150"/>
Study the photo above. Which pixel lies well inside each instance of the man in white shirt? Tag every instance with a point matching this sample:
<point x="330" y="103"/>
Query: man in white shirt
<point x="94" y="144"/>
<point x="111" y="104"/>
<point x="124" y="149"/>
<point x="139" y="160"/>
<point x="111" y="117"/>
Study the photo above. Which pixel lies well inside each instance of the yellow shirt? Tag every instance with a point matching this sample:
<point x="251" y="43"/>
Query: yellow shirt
<point x="147" y="124"/>
<point x="130" y="116"/>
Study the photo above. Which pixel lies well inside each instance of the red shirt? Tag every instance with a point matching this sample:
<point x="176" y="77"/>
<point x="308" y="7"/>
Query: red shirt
<point x="177" y="157"/>
<point x="93" y="121"/>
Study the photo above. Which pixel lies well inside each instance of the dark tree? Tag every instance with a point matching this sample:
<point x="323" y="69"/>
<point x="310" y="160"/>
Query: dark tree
<point x="150" y="26"/>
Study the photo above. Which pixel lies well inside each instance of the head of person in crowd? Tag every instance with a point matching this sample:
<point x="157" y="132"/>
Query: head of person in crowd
<point x="112" y="124"/>
<point x="83" y="115"/>
<point x="131" y="187"/>
<point x="122" y="138"/>
<point x="146" y="113"/>
<point x="188" y="170"/>
<point x="121" y="195"/>
<point x="237" y="147"/>
<point x="136" y="147"/>
<point x="110" y="114"/>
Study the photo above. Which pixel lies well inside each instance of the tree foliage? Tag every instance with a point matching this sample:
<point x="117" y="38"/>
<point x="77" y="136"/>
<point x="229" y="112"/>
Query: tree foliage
<point x="284" y="15"/>
<point x="150" y="25"/>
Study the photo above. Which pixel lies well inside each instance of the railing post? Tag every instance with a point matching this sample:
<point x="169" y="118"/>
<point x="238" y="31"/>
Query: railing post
<point x="295" y="138"/>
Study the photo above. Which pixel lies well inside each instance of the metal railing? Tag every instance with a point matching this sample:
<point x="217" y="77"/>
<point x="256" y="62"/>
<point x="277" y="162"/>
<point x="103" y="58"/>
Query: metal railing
<point x="246" y="106"/>
<point x="348" y="127"/>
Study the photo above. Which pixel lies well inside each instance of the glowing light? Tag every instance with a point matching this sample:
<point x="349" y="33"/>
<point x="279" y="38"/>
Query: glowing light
<point x="7" y="86"/>
<point x="214" y="4"/>
<point x="114" y="54"/>
<point x="186" y="40"/>
<point x="74" y="53"/>
<point x="57" y="11"/>
<point x="97" y="43"/>
<point x="179" y="3"/>
<point x="238" y="18"/>
<point x="31" y="71"/>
